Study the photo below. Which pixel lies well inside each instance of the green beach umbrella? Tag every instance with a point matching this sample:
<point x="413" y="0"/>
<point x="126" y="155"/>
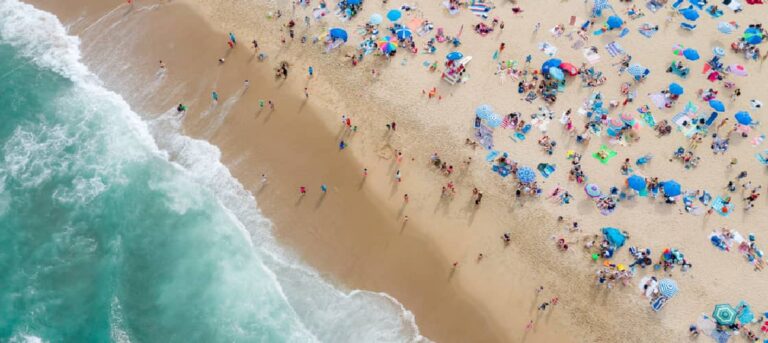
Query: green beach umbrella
<point x="724" y="314"/>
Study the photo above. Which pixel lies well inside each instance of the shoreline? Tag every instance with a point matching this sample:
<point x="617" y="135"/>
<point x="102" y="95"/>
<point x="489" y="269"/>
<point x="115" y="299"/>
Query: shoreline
<point x="309" y="155"/>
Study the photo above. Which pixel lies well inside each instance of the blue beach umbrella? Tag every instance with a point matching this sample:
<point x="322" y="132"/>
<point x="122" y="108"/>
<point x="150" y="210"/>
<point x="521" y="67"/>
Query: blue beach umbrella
<point x="636" y="70"/>
<point x="526" y="175"/>
<point x="636" y="182"/>
<point x="614" y="22"/>
<point x="484" y="111"/>
<point x="717" y="105"/>
<point x="394" y="15"/>
<point x="403" y="33"/>
<point x="691" y="54"/>
<point x="671" y="188"/>
<point x="376" y="19"/>
<point x="494" y="120"/>
<point x="550" y="63"/>
<point x="354" y="2"/>
<point x="557" y="73"/>
<point x="337" y="33"/>
<point x="690" y="14"/>
<point x="454" y="56"/>
<point x="668" y="287"/>
<point x="724" y="314"/>
<point x="676" y="89"/>
<point x="743" y="118"/>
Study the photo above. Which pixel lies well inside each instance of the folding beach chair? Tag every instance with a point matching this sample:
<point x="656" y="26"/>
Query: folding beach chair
<point x="687" y="26"/>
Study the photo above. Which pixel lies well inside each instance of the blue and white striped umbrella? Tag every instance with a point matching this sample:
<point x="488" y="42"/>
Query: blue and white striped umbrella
<point x="668" y="287"/>
<point x="403" y="33"/>
<point x="526" y="175"/>
<point x="601" y="4"/>
<point x="725" y="27"/>
<point x="636" y="70"/>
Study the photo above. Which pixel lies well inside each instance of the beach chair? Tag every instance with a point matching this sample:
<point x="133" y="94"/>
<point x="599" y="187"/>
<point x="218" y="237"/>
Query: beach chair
<point x="687" y="26"/>
<point x="658" y="303"/>
<point x="762" y="157"/>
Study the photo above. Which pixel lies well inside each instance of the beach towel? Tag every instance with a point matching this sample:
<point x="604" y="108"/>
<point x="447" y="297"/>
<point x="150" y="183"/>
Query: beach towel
<point x="758" y="140"/>
<point x="451" y="11"/>
<point x="484" y="136"/>
<point x="592" y="57"/>
<point x="762" y="157"/>
<point x="609" y="154"/>
<point x="480" y="9"/>
<point x="624" y="32"/>
<point x="658" y="100"/>
<point x="545" y="169"/>
<point x="646" y="33"/>
<point x="614" y="49"/>
<point x="548" y="49"/>
<point x="649" y="119"/>
<point x="721" y="208"/>
<point x="491" y="156"/>
<point x="658" y="304"/>
<point x="517" y="136"/>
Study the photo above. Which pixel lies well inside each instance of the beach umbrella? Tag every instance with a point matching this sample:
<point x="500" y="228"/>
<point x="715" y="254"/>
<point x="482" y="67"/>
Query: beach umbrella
<point x="592" y="190"/>
<point x="671" y="188"/>
<point x="753" y="36"/>
<point x="737" y="69"/>
<point x="354" y="2"/>
<point x="718" y="51"/>
<point x="743" y="118"/>
<point x="614" y="22"/>
<point x="337" y="33"/>
<point x="376" y="19"/>
<point x="494" y="120"/>
<point x="690" y="14"/>
<point x="550" y="63"/>
<point x="724" y="314"/>
<point x="569" y="68"/>
<point x="394" y="15"/>
<point x="601" y="4"/>
<point x="691" y="54"/>
<point x="636" y="182"/>
<point x="557" y="73"/>
<point x="636" y="70"/>
<point x="717" y="105"/>
<point x="526" y="175"/>
<point x="614" y="236"/>
<point x="454" y="56"/>
<point x="667" y="287"/>
<point x="484" y="111"/>
<point x="725" y="27"/>
<point x="403" y="33"/>
<point x="676" y="89"/>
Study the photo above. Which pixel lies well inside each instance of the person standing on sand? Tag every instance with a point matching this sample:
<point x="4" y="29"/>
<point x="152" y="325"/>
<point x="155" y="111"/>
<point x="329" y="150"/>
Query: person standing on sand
<point x="365" y="172"/>
<point x="405" y="198"/>
<point x="311" y="71"/>
<point x="529" y="326"/>
<point x="324" y="188"/>
<point x="303" y="190"/>
<point x="232" y="38"/>
<point x="306" y="92"/>
<point x="263" y="179"/>
<point x="271" y="105"/>
<point x="255" y="46"/>
<point x="215" y="97"/>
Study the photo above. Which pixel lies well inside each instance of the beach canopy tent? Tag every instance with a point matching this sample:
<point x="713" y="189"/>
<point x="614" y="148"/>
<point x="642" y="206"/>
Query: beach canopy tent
<point x="671" y="188"/>
<point x="691" y="54"/>
<point x="636" y="182"/>
<point x="614" y="22"/>
<point x="557" y="73"/>
<point x="337" y="33"/>
<point x="717" y="105"/>
<point x="676" y="88"/>
<point x="724" y="314"/>
<point x="725" y="27"/>
<point x="592" y="190"/>
<point x="743" y="118"/>
<point x="526" y="175"/>
<point x="569" y="68"/>
<point x="614" y="236"/>
<point x="376" y="19"/>
<point x="550" y="63"/>
<point x="484" y="111"/>
<point x="403" y="33"/>
<point x="394" y="15"/>
<point x="454" y="56"/>
<point x="690" y="14"/>
<point x="668" y="287"/>
<point x="753" y="36"/>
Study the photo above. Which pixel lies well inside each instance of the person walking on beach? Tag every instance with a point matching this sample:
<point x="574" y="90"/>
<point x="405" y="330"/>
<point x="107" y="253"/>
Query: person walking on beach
<point x="311" y="71"/>
<point x="255" y="46"/>
<point x="405" y="198"/>
<point x="543" y="306"/>
<point x="398" y="177"/>
<point x="271" y="105"/>
<point x="365" y="172"/>
<point x="232" y="38"/>
<point x="303" y="190"/>
<point x="263" y="179"/>
<point x="306" y="92"/>
<point x="215" y="97"/>
<point x="324" y="188"/>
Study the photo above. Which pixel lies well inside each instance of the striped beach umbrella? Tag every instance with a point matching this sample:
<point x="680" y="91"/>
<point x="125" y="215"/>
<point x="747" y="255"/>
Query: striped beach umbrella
<point x="403" y="33"/>
<point x="724" y="314"/>
<point x="668" y="287"/>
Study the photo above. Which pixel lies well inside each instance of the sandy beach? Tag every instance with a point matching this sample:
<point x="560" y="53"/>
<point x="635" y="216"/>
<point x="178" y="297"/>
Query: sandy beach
<point x="356" y="234"/>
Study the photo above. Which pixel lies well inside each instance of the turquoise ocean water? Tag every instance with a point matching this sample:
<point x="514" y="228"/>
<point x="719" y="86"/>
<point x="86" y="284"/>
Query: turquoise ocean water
<point x="113" y="229"/>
